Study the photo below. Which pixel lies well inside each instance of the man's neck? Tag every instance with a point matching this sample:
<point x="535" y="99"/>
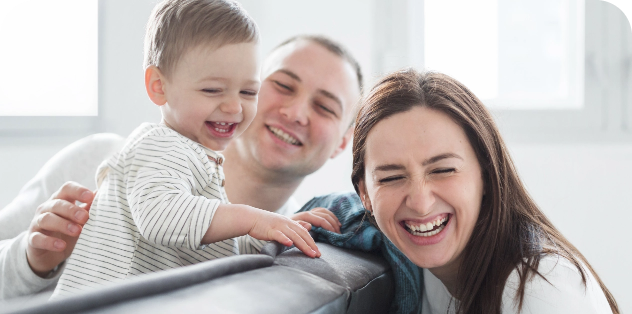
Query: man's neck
<point x="250" y="184"/>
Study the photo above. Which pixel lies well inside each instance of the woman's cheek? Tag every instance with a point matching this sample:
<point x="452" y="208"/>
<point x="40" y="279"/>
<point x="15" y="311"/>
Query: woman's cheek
<point x="385" y="208"/>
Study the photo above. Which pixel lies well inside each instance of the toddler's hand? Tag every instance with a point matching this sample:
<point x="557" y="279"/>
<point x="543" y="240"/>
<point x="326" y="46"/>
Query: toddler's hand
<point x="320" y="217"/>
<point x="271" y="226"/>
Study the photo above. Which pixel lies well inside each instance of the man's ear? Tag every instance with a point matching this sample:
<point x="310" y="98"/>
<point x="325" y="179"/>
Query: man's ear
<point x="345" y="140"/>
<point x="154" y="84"/>
<point x="364" y="197"/>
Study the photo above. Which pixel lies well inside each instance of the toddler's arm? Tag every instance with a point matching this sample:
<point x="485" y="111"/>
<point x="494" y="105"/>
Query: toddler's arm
<point x="233" y="220"/>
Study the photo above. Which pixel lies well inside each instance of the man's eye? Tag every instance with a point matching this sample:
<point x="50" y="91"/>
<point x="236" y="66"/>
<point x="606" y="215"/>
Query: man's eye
<point x="326" y="109"/>
<point x="283" y="86"/>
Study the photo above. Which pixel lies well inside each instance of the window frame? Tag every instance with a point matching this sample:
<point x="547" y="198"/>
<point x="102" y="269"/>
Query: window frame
<point x="606" y="114"/>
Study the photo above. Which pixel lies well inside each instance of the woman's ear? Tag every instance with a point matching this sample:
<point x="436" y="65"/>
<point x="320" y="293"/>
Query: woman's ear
<point x="364" y="197"/>
<point x="154" y="84"/>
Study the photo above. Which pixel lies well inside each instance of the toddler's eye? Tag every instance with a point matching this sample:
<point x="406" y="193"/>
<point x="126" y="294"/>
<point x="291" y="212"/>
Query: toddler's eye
<point x="248" y="93"/>
<point x="211" y="90"/>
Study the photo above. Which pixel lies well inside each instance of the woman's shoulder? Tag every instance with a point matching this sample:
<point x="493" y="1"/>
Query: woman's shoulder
<point x="560" y="289"/>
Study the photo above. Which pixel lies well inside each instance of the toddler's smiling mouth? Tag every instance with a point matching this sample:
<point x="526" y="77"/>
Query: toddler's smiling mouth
<point x="221" y="129"/>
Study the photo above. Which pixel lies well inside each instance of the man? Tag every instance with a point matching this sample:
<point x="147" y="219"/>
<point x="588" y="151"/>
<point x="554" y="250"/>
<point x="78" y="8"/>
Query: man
<point x="306" y="104"/>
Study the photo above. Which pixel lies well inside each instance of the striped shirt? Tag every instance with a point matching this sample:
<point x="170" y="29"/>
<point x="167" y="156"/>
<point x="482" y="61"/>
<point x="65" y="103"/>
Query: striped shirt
<point x="156" y="200"/>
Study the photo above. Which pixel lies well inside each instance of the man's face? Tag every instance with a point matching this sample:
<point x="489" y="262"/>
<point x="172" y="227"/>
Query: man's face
<point x="305" y="106"/>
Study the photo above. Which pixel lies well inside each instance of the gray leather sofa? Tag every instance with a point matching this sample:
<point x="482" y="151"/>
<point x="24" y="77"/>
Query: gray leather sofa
<point x="276" y="281"/>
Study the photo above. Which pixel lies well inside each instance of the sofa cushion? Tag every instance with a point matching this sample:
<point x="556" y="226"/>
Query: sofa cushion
<point x="347" y="268"/>
<point x="274" y="290"/>
<point x="148" y="285"/>
<point x="366" y="276"/>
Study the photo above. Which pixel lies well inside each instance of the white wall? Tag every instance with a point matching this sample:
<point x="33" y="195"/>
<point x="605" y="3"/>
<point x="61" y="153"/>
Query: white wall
<point x="582" y="186"/>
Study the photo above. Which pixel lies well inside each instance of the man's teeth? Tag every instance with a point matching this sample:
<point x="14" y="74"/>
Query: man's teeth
<point x="428" y="229"/>
<point x="284" y="136"/>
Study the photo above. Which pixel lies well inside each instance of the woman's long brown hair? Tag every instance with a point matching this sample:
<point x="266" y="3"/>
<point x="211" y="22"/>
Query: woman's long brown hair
<point x="511" y="232"/>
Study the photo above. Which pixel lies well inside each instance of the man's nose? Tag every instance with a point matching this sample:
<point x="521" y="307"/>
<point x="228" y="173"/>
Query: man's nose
<point x="231" y="105"/>
<point x="420" y="197"/>
<point x="296" y="110"/>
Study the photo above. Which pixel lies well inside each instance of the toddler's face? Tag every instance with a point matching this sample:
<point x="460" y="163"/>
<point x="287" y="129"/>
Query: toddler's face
<point x="212" y="93"/>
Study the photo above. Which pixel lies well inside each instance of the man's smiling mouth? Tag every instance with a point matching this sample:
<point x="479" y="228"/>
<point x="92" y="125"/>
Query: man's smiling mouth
<point x="280" y="134"/>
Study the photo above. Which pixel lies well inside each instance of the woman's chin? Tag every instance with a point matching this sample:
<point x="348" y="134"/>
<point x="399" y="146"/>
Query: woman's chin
<point x="426" y="251"/>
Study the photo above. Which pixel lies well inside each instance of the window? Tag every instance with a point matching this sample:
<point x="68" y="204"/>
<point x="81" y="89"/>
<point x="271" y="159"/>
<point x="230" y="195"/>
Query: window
<point x="49" y="58"/>
<point x="551" y="71"/>
<point x="519" y="54"/>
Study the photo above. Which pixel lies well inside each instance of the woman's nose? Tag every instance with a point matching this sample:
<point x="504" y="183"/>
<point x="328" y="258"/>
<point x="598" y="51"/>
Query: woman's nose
<point x="420" y="197"/>
<point x="296" y="110"/>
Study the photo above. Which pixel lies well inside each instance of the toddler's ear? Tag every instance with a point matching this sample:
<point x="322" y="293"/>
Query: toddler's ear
<point x="154" y="81"/>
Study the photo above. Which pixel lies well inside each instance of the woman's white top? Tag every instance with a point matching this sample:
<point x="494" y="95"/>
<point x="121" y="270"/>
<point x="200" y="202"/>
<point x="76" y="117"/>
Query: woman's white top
<point x="563" y="293"/>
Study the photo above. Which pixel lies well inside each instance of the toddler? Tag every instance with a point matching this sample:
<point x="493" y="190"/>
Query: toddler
<point x="161" y="202"/>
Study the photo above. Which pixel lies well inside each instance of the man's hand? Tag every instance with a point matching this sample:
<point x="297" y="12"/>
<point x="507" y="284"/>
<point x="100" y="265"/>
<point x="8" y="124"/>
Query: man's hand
<point x="56" y="227"/>
<point x="319" y="217"/>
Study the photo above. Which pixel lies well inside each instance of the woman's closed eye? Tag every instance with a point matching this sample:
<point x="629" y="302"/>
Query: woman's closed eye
<point x="390" y="179"/>
<point x="443" y="170"/>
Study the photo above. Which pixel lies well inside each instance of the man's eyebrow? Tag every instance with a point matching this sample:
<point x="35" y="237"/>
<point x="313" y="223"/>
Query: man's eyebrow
<point x="440" y="157"/>
<point x="320" y="91"/>
<point x="332" y="97"/>
<point x="290" y="74"/>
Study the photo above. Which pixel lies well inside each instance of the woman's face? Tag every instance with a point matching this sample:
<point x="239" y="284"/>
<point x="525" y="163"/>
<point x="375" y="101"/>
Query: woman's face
<point x="423" y="184"/>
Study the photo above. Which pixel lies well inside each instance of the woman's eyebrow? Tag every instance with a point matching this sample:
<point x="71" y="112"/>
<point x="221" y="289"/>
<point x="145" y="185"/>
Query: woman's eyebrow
<point x="440" y="157"/>
<point x="388" y="167"/>
<point x="392" y="167"/>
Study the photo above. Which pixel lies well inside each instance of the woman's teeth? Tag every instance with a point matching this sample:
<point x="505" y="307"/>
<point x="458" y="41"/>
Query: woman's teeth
<point x="284" y="136"/>
<point x="428" y="229"/>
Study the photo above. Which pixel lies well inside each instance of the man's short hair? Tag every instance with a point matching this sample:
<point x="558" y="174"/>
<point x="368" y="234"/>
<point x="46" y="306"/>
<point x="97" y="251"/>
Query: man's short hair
<point x="178" y="25"/>
<point x="334" y="47"/>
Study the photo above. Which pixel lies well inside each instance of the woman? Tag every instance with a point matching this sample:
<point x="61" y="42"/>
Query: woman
<point x="432" y="169"/>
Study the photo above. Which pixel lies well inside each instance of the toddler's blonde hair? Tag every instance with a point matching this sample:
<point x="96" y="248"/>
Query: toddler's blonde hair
<point x="178" y="25"/>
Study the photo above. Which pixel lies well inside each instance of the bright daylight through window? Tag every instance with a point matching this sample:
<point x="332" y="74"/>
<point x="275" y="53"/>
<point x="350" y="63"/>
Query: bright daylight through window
<point x="513" y="54"/>
<point x="49" y="58"/>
